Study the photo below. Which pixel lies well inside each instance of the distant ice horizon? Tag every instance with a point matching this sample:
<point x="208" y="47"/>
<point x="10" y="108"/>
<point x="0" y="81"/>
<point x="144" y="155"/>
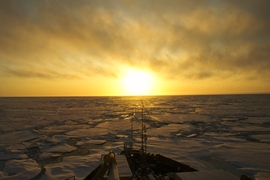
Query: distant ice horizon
<point x="160" y="95"/>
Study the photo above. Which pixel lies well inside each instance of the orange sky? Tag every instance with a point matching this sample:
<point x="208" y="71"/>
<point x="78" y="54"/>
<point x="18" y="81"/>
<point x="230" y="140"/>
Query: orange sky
<point x="87" y="48"/>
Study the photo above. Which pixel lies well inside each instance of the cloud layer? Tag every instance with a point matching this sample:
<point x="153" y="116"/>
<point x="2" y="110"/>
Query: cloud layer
<point x="176" y="39"/>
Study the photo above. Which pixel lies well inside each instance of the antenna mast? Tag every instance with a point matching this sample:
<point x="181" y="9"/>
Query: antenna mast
<point x="144" y="138"/>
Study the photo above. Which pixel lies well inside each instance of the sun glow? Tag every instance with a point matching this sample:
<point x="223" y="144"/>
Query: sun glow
<point x="137" y="82"/>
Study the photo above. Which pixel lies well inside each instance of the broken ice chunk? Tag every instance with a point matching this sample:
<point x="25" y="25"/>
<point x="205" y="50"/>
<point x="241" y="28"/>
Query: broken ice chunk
<point x="62" y="148"/>
<point x="90" y="142"/>
<point x="20" y="169"/>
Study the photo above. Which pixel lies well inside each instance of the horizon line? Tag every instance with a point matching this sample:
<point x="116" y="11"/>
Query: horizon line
<point x="59" y="96"/>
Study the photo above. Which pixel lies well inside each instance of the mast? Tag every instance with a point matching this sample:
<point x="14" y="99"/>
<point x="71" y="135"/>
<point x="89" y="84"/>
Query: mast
<point x="143" y="136"/>
<point x="131" y="129"/>
<point x="142" y="148"/>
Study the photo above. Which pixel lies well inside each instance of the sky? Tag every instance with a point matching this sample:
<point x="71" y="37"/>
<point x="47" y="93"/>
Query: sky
<point x="90" y="48"/>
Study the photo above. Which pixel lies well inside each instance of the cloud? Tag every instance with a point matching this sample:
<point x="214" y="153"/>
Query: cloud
<point x="176" y="39"/>
<point x="37" y="74"/>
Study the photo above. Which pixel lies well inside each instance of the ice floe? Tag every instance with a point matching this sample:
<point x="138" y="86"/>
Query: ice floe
<point x="61" y="148"/>
<point x="7" y="156"/>
<point x="90" y="142"/>
<point x="20" y="169"/>
<point x="17" y="137"/>
<point x="78" y="166"/>
<point x="89" y="132"/>
<point x="262" y="137"/>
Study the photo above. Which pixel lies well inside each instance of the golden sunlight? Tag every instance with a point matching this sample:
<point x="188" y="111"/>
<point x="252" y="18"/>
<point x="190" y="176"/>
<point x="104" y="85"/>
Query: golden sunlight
<point x="137" y="82"/>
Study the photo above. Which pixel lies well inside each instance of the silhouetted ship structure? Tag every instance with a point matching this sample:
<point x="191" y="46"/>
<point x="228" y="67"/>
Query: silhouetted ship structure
<point x="132" y="164"/>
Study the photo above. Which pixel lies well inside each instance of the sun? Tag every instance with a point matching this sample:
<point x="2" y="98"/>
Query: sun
<point x="137" y="82"/>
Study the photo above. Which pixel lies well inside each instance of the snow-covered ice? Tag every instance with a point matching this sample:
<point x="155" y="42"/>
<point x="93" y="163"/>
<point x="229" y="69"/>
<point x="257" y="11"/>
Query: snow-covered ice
<point x="20" y="169"/>
<point x="90" y="142"/>
<point x="262" y="137"/>
<point x="89" y="132"/>
<point x="56" y="138"/>
<point x="78" y="166"/>
<point x="17" y="137"/>
<point x="62" y="148"/>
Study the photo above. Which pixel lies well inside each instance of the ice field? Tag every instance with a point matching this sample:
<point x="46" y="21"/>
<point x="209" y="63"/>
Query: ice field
<point x="60" y="137"/>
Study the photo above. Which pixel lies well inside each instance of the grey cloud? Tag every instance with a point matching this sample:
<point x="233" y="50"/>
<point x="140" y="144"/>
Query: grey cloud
<point x="38" y="74"/>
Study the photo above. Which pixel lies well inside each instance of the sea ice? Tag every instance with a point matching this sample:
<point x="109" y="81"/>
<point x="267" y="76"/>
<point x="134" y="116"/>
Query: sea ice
<point x="29" y="144"/>
<point x="114" y="125"/>
<point x="262" y="176"/>
<point x="45" y="155"/>
<point x="89" y="132"/>
<point x="250" y="128"/>
<point x="79" y="166"/>
<point x="62" y="148"/>
<point x="17" y="137"/>
<point x="7" y="156"/>
<point x="61" y="128"/>
<point x="180" y="118"/>
<point x="262" y="137"/>
<point x="244" y="154"/>
<point x="16" y="148"/>
<point x="90" y="142"/>
<point x="215" y="163"/>
<point x="20" y="169"/>
<point x="61" y="137"/>
<point x="167" y="130"/>
<point x="70" y="134"/>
